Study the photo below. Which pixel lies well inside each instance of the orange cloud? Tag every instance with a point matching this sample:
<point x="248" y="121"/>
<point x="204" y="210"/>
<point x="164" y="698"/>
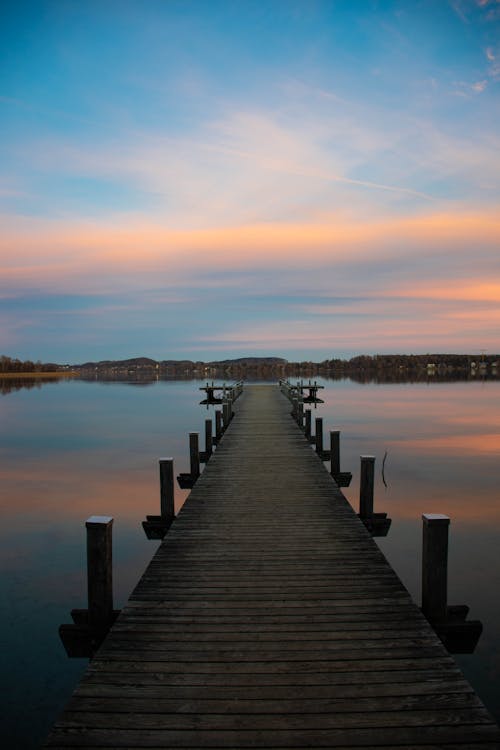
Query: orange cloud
<point x="37" y="249"/>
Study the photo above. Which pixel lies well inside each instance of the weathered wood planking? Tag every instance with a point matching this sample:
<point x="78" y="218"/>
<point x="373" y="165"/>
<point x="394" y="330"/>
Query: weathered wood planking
<point x="269" y="618"/>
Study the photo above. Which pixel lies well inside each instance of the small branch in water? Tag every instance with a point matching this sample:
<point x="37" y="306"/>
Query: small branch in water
<point x="383" y="469"/>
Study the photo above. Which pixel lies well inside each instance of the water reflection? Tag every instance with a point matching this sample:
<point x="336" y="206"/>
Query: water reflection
<point x="72" y="449"/>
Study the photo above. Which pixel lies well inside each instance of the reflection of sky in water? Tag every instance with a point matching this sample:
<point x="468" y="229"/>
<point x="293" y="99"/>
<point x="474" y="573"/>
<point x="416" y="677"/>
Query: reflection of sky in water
<point x="74" y="449"/>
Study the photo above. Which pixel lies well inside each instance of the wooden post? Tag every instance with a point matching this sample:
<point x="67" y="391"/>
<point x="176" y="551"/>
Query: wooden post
<point x="99" y="573"/>
<point x="366" y="486"/>
<point x="218" y="424"/>
<point x="194" y="455"/>
<point x="225" y="414"/>
<point x="294" y="407"/>
<point x="300" y="413"/>
<point x="307" y="428"/>
<point x="435" y="566"/>
<point x="334" y="453"/>
<point x="208" y="438"/>
<point x="318" y="435"/>
<point x="167" y="511"/>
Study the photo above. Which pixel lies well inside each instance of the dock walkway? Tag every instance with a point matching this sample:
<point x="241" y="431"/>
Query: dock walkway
<point x="269" y="618"/>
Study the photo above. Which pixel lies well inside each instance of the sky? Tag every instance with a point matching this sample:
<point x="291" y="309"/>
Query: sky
<point x="205" y="179"/>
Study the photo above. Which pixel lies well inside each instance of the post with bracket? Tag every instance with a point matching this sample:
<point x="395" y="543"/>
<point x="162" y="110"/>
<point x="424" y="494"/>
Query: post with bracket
<point x="155" y="527"/>
<point x="450" y="622"/>
<point x="307" y="426"/>
<point x="188" y="480"/>
<point x="342" y="478"/>
<point x="377" y="523"/>
<point x="194" y="455"/>
<point x="318" y="436"/>
<point x="90" y="626"/>
<point x="206" y="454"/>
<point x="218" y="425"/>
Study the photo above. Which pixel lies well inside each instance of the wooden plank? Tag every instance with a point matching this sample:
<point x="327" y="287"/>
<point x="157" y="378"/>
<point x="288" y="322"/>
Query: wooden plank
<point x="269" y="618"/>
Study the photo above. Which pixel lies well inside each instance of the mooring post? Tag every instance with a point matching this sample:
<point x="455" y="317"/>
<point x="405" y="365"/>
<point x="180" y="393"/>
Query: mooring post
<point x="194" y="454"/>
<point x="307" y="428"/>
<point x="435" y="566"/>
<point x="294" y="407"/>
<point x="218" y="424"/>
<point x="318" y="435"/>
<point x="300" y="412"/>
<point x="99" y="573"/>
<point x="167" y="511"/>
<point x="208" y="438"/>
<point x="226" y="414"/>
<point x="334" y="453"/>
<point x="366" y="486"/>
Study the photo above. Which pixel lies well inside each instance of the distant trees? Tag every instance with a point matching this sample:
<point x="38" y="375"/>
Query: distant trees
<point x="8" y="364"/>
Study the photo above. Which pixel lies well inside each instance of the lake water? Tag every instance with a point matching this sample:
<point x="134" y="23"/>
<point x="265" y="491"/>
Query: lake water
<point x="72" y="449"/>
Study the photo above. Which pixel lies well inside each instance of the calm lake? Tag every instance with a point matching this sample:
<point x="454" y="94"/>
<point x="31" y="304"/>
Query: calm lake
<point x="72" y="449"/>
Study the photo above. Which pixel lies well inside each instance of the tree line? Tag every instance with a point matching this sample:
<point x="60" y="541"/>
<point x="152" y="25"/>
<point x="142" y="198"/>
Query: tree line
<point x="9" y="364"/>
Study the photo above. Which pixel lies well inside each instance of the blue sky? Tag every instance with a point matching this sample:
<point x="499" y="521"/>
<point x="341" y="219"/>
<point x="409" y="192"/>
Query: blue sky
<point x="214" y="179"/>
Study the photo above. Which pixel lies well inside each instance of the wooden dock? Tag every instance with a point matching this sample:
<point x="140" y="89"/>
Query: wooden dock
<point x="269" y="618"/>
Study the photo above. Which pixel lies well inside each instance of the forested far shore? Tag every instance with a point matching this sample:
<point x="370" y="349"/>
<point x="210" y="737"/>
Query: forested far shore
<point x="11" y="365"/>
<point x="373" y="366"/>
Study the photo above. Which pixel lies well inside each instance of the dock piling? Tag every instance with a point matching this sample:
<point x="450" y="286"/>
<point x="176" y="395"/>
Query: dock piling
<point x="208" y="439"/>
<point x="155" y="527"/>
<point x="194" y="455"/>
<point x="377" y="523"/>
<point x="318" y="436"/>
<point x="459" y="635"/>
<point x="218" y="425"/>
<point x="90" y="626"/>
<point x="307" y="427"/>
<point x="435" y="566"/>
<point x="366" y="486"/>
<point x="334" y="453"/>
<point x="167" y="489"/>
<point x="99" y="573"/>
<point x="300" y="412"/>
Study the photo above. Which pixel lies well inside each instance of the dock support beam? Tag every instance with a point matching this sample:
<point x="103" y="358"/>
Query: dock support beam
<point x="450" y="623"/>
<point x="208" y="441"/>
<point x="307" y="427"/>
<point x="435" y="566"/>
<point x="155" y="527"/>
<point x="167" y="489"/>
<point x="227" y="409"/>
<point x="100" y="573"/>
<point x="366" y="486"/>
<point x="90" y="626"/>
<point x="334" y="453"/>
<point x="377" y="523"/>
<point x="194" y="455"/>
<point x="218" y="425"/>
<point x="318" y="436"/>
<point x="342" y="478"/>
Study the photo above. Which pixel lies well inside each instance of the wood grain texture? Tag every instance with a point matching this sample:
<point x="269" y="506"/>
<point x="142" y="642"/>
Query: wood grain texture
<point x="269" y="618"/>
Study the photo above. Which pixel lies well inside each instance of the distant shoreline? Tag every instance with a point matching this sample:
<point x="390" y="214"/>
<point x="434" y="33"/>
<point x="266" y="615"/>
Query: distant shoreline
<point x="41" y="374"/>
